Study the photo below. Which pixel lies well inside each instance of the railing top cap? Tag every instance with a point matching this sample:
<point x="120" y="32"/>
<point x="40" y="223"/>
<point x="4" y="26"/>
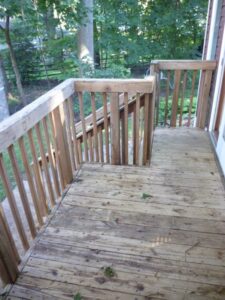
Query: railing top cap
<point x="185" y="64"/>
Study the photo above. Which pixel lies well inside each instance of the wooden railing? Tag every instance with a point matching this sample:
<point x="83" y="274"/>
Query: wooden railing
<point x="44" y="145"/>
<point x="182" y="96"/>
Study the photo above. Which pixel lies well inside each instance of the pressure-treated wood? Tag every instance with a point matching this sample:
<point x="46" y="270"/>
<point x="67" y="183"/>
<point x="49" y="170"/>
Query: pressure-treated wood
<point x="95" y="126"/>
<point x="8" y="263"/>
<point x="36" y="200"/>
<point x="167" y="96"/>
<point x="177" y="76"/>
<point x="62" y="144"/>
<point x="39" y="184"/>
<point x="192" y="96"/>
<point x="185" y="64"/>
<point x="69" y="135"/>
<point x="45" y="165"/>
<point x="137" y="128"/>
<point x="114" y="85"/>
<point x="115" y="129"/>
<point x="5" y="227"/>
<point x="80" y="96"/>
<point x="51" y="157"/>
<point x="22" y="191"/>
<point x="57" y="152"/>
<point x="12" y="202"/>
<point x="160" y="230"/>
<point x="104" y="96"/>
<point x="11" y="129"/>
<point x="184" y="83"/>
<point x="203" y="99"/>
<point x="73" y="129"/>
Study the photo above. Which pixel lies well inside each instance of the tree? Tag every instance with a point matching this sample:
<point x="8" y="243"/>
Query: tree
<point x="86" y="35"/>
<point x="4" y="109"/>
<point x="11" y="9"/>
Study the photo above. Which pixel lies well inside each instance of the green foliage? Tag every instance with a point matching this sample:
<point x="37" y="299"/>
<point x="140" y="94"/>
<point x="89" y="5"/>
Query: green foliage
<point x="137" y="31"/>
<point x="77" y="296"/>
<point x="145" y="196"/>
<point x="109" y="272"/>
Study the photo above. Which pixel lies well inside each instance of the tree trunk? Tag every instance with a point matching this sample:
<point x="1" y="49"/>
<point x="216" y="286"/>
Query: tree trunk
<point x="4" y="109"/>
<point x="14" y="64"/>
<point x="86" y="36"/>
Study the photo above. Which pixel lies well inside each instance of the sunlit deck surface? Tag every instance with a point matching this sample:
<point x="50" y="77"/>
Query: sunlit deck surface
<point x="161" y="230"/>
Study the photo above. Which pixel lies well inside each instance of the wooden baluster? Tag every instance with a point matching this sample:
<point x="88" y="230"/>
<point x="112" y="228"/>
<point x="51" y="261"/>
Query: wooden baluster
<point x="137" y="143"/>
<point x="37" y="205"/>
<point x="134" y="134"/>
<point x="167" y="96"/>
<point x="191" y="96"/>
<point x="51" y="158"/>
<point x="74" y="134"/>
<point x="22" y="191"/>
<point x="122" y="136"/>
<point x="90" y="146"/>
<point x="12" y="204"/>
<point x="203" y="98"/>
<point x="183" y="97"/>
<point x="79" y="150"/>
<point x="151" y="123"/>
<point x="61" y="144"/>
<point x="80" y="97"/>
<point x="177" y="76"/>
<point x="8" y="263"/>
<point x="106" y="126"/>
<point x="45" y="164"/>
<point x="69" y="134"/>
<point x="126" y="128"/>
<point x="57" y="156"/>
<point x="39" y="184"/>
<point x="115" y="129"/>
<point x="95" y="130"/>
<point x="101" y="152"/>
<point x="146" y="128"/>
<point x="5" y="227"/>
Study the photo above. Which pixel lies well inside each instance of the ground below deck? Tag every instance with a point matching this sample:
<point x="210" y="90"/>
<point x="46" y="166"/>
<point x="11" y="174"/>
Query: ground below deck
<point x="160" y="231"/>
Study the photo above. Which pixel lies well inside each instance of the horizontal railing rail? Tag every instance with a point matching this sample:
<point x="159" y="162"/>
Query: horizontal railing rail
<point x="43" y="145"/>
<point x="183" y="88"/>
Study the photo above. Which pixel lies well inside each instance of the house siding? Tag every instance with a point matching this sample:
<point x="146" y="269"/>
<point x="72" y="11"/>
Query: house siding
<point x="217" y="48"/>
<point x="207" y="29"/>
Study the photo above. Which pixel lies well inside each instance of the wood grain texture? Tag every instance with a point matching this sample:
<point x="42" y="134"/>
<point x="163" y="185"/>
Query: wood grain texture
<point x="160" y="229"/>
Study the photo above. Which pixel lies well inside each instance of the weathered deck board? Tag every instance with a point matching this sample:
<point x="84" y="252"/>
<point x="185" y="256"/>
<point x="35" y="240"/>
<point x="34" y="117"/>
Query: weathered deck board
<point x="170" y="245"/>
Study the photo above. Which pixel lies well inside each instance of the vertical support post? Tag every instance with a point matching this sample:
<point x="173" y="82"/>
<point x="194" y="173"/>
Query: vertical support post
<point x="115" y="129"/>
<point x="203" y="96"/>
<point x="62" y="145"/>
<point x="8" y="254"/>
<point x="154" y="71"/>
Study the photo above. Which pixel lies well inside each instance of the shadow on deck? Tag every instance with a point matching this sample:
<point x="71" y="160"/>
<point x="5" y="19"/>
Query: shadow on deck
<point x="159" y="231"/>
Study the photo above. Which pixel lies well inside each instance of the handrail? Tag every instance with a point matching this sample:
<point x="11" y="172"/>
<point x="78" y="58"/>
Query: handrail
<point x="177" y="89"/>
<point x="46" y="139"/>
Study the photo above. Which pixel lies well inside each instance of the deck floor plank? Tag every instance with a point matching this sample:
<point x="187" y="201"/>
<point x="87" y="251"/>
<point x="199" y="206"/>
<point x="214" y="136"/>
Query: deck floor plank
<point x="168" y="244"/>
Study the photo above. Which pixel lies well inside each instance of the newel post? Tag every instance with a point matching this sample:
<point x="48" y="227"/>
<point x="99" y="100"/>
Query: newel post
<point x="8" y="258"/>
<point x="115" y="128"/>
<point x="154" y="71"/>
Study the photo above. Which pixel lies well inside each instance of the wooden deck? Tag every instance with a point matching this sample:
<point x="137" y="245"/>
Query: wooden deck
<point x="159" y="231"/>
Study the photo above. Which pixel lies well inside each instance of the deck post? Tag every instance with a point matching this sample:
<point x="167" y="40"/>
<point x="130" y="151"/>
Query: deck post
<point x="8" y="263"/>
<point x="115" y="128"/>
<point x="154" y="71"/>
<point x="62" y="143"/>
